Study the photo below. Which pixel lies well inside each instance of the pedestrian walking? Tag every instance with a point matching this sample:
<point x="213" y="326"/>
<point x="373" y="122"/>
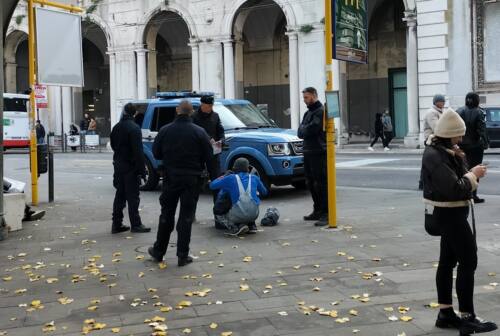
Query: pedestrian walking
<point x="238" y="198"/>
<point x="448" y="187"/>
<point x="84" y="123"/>
<point x="92" y="129"/>
<point x="475" y="140"/>
<point x="430" y="119"/>
<point x="210" y="121"/>
<point x="40" y="132"/>
<point x="185" y="150"/>
<point x="311" y="130"/>
<point x="129" y="168"/>
<point x="433" y="114"/>
<point x="379" y="132"/>
<point x="388" y="129"/>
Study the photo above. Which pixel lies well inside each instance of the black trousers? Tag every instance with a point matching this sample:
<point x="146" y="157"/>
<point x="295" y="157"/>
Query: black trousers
<point x="127" y="193"/>
<point x="458" y="245"/>
<point x="381" y="137"/>
<point x="183" y="189"/>
<point x="388" y="136"/>
<point x="316" y="177"/>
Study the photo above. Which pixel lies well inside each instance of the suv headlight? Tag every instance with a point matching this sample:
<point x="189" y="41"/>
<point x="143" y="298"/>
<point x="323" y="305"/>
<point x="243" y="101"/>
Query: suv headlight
<point x="278" y="149"/>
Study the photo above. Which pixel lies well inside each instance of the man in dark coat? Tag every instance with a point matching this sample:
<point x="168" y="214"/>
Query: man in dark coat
<point x="84" y="123"/>
<point x="313" y="133"/>
<point x="209" y="120"/>
<point x="475" y="140"/>
<point x="129" y="168"/>
<point x="185" y="150"/>
<point x="40" y="132"/>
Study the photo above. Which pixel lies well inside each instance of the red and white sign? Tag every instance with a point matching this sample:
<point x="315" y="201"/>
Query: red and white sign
<point x="41" y="96"/>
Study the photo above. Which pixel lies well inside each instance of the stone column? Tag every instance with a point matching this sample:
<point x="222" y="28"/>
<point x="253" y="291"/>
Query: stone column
<point x="112" y="88"/>
<point x="195" y="59"/>
<point x="142" y="79"/>
<point x="239" y="70"/>
<point x="412" y="139"/>
<point x="67" y="109"/>
<point x="10" y="77"/>
<point x="152" y="73"/>
<point x="294" y="80"/>
<point x="229" y="78"/>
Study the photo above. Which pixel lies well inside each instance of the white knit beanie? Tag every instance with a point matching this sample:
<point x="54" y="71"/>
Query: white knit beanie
<point x="450" y="125"/>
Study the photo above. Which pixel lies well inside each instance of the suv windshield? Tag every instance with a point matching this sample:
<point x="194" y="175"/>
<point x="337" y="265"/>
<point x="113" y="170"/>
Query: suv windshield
<point x="242" y="116"/>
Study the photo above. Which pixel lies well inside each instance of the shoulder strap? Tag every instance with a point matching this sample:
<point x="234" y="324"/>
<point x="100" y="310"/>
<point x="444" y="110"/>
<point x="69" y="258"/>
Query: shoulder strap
<point x="249" y="187"/>
<point x="240" y="185"/>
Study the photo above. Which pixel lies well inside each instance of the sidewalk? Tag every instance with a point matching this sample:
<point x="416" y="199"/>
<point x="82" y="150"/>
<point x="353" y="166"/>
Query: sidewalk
<point x="292" y="279"/>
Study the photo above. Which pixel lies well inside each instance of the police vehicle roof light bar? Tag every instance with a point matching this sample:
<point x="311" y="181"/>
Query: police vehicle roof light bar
<point x="182" y="94"/>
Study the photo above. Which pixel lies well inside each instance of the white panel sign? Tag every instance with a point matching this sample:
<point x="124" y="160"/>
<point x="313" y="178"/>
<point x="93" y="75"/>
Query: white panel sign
<point x="73" y="140"/>
<point x="59" y="48"/>
<point x="91" y="140"/>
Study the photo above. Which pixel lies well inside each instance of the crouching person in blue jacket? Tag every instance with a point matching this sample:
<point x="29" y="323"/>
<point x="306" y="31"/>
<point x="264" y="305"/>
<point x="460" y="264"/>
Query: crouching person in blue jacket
<point x="237" y="204"/>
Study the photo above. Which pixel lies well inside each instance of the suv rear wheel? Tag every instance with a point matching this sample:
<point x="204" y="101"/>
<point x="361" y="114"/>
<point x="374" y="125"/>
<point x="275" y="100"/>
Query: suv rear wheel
<point x="152" y="178"/>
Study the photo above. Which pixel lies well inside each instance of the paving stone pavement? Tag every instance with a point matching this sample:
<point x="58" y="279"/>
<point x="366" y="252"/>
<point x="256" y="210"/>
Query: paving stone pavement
<point x="297" y="278"/>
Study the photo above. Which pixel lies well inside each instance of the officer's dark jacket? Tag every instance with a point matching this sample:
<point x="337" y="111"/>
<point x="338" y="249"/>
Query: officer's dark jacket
<point x="475" y="123"/>
<point x="126" y="142"/>
<point x="183" y="147"/>
<point x="211" y="123"/>
<point x="447" y="182"/>
<point x="311" y="130"/>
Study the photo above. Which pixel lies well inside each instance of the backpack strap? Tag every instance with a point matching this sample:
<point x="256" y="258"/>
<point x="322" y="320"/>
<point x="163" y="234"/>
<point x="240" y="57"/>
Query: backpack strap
<point x="249" y="187"/>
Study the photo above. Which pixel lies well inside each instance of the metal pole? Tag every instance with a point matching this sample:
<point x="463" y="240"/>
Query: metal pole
<point x="32" y="80"/>
<point x="2" y="227"/>
<point x="51" y="172"/>
<point x="330" y="122"/>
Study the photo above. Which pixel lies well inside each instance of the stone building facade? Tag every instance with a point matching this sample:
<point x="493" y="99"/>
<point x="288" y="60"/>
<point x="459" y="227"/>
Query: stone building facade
<point x="267" y="51"/>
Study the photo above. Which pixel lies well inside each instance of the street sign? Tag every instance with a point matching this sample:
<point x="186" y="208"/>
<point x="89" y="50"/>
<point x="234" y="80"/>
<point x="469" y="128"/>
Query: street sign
<point x="41" y="96"/>
<point x="59" y="48"/>
<point x="332" y="104"/>
<point x="350" y="29"/>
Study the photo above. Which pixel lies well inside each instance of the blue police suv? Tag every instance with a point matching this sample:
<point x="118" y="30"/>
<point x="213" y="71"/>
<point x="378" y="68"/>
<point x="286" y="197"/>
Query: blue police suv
<point x="274" y="153"/>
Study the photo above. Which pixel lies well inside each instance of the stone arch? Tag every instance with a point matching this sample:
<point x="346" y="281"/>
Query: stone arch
<point x="231" y="17"/>
<point x="171" y="7"/>
<point x="262" y="62"/>
<point x="12" y="41"/>
<point x="108" y="33"/>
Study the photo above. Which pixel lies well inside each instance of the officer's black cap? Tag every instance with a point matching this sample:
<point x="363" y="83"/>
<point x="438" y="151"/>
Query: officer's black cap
<point x="207" y="100"/>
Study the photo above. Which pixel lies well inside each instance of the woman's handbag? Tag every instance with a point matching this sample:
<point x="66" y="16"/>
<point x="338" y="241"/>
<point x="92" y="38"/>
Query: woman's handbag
<point x="431" y="224"/>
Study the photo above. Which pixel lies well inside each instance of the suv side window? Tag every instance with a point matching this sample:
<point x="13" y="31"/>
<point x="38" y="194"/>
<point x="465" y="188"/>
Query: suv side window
<point x="162" y="116"/>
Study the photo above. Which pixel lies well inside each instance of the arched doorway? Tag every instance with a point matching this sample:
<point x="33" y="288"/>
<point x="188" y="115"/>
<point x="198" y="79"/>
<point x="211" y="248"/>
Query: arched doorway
<point x="94" y="95"/>
<point x="381" y="84"/>
<point x="169" y="55"/>
<point x="262" y="58"/>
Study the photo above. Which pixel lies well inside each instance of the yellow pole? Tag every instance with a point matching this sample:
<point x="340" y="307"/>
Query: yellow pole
<point x="330" y="122"/>
<point x="70" y="8"/>
<point x="32" y="80"/>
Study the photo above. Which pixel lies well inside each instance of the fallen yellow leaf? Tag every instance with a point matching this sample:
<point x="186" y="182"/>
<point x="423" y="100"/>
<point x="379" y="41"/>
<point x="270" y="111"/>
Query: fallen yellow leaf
<point x="213" y="325"/>
<point x="115" y="330"/>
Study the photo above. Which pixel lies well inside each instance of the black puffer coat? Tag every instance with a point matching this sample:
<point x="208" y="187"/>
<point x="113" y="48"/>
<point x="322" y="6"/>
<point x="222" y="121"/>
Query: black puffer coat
<point x="447" y="182"/>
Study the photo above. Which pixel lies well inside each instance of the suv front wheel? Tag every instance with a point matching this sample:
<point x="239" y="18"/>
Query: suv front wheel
<point x="256" y="169"/>
<point x="152" y="178"/>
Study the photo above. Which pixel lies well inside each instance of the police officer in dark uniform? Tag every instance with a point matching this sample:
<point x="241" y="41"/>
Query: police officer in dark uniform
<point x="128" y="162"/>
<point x="185" y="150"/>
<point x="311" y="130"/>
<point x="209" y="120"/>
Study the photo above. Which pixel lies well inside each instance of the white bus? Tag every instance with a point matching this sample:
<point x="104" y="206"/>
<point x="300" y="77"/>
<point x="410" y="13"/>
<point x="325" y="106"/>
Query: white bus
<point x="16" y="133"/>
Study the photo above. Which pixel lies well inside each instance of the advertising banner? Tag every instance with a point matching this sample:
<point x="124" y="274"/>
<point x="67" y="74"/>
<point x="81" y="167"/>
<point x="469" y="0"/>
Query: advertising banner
<point x="350" y="31"/>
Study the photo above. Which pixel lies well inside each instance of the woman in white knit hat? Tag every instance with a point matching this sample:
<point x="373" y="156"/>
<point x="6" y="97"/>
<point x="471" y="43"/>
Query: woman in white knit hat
<point x="448" y="187"/>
